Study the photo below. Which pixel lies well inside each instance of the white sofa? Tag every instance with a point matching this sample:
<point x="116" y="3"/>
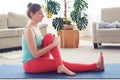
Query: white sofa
<point x="110" y="33"/>
<point x="11" y="26"/>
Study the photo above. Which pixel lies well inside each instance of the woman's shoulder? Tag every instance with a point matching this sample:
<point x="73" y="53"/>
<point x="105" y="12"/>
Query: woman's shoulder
<point x="28" y="30"/>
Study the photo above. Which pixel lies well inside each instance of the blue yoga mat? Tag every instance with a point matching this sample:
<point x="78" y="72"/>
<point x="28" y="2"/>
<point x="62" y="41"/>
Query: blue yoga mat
<point x="16" y="71"/>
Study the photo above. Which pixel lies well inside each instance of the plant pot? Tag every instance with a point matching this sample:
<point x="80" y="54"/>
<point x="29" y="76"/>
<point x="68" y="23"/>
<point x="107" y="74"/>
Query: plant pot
<point x="69" y="27"/>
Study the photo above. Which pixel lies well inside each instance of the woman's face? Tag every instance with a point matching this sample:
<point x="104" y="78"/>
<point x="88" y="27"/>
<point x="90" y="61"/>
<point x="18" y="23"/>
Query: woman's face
<point x="38" y="16"/>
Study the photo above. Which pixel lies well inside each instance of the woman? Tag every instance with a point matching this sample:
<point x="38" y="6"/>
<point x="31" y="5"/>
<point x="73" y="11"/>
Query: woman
<point x="37" y="50"/>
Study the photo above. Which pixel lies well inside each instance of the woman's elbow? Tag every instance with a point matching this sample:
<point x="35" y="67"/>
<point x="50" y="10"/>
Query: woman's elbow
<point x="36" y="54"/>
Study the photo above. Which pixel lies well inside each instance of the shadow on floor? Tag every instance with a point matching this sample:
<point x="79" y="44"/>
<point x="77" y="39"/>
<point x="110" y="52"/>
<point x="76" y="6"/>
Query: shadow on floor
<point x="109" y="47"/>
<point x="10" y="49"/>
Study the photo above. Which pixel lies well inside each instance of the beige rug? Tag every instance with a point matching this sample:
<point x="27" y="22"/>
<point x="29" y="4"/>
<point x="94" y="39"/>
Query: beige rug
<point x="11" y="54"/>
<point x="85" y="53"/>
<point x="17" y="54"/>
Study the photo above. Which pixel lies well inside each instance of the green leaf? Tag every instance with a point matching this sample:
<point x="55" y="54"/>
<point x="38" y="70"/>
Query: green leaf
<point x="82" y="23"/>
<point x="53" y="7"/>
<point x="74" y="15"/>
<point x="57" y="23"/>
<point x="78" y="14"/>
<point x="79" y="5"/>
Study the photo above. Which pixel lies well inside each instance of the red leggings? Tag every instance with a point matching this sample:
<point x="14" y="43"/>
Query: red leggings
<point x="45" y="63"/>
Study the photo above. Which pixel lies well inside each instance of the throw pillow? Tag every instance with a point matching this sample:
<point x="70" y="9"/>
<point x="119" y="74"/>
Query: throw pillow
<point x="111" y="25"/>
<point x="107" y="24"/>
<point x="117" y="24"/>
<point x="102" y="24"/>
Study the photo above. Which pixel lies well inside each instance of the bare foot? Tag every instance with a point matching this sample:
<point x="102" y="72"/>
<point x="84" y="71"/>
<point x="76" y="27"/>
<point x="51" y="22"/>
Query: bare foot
<point x="63" y="69"/>
<point x="101" y="62"/>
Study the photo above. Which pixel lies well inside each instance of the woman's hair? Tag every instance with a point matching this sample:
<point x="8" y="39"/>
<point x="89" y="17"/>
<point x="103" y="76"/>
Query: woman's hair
<point x="32" y="8"/>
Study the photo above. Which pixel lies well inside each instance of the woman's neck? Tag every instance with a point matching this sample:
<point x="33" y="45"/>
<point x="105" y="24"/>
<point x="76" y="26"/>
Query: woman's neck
<point x="33" y="23"/>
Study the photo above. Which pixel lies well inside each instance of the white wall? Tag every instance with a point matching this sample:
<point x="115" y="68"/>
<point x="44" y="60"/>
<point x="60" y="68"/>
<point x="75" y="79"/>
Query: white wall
<point x="20" y="6"/>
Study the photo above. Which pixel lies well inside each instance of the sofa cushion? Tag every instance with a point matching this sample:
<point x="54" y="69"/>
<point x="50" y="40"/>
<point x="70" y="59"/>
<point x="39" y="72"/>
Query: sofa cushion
<point x="3" y="21"/>
<point x="16" y="20"/>
<point x="10" y="42"/>
<point x="5" y="33"/>
<point x="111" y="33"/>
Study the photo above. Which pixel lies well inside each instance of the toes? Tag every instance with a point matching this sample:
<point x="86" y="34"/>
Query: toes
<point x="101" y="61"/>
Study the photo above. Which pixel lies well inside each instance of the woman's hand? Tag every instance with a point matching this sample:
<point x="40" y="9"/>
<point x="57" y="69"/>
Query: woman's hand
<point x="55" y="41"/>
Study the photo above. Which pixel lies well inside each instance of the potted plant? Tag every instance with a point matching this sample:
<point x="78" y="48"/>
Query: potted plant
<point x="62" y="22"/>
<point x="78" y="16"/>
<point x="59" y="23"/>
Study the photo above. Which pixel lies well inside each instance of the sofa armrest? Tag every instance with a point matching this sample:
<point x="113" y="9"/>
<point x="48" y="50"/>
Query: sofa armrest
<point x="43" y="28"/>
<point x="95" y="28"/>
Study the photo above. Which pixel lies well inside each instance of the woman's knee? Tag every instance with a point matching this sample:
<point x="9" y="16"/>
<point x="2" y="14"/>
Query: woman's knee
<point x="48" y="38"/>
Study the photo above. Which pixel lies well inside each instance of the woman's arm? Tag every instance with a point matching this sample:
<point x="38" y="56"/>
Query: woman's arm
<point x="30" y="38"/>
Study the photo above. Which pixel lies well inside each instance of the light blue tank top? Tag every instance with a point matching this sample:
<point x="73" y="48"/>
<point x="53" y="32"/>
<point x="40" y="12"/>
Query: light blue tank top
<point x="26" y="54"/>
